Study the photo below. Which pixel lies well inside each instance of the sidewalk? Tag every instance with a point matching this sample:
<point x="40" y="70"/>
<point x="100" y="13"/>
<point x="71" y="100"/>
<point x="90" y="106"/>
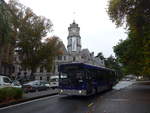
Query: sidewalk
<point x="39" y="93"/>
<point x="32" y="96"/>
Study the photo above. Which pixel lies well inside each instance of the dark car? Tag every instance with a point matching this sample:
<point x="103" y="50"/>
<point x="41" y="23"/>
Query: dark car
<point x="33" y="86"/>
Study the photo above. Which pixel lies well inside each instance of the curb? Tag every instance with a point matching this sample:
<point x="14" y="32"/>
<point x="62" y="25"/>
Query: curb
<point x="143" y="82"/>
<point x="25" y="100"/>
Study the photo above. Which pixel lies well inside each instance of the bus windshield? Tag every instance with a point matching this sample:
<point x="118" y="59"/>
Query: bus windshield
<point x="73" y="78"/>
<point x="74" y="75"/>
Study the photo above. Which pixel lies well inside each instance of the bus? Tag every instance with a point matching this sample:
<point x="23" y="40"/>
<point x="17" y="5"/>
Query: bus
<point x="84" y="79"/>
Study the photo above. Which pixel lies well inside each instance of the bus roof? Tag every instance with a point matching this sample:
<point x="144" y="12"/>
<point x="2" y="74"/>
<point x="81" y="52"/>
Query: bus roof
<point x="83" y="65"/>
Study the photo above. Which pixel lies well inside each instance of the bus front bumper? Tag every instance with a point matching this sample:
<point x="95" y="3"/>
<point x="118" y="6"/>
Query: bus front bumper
<point x="72" y="92"/>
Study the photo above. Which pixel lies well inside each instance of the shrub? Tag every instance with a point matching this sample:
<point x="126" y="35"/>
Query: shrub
<point x="9" y="93"/>
<point x="19" y="93"/>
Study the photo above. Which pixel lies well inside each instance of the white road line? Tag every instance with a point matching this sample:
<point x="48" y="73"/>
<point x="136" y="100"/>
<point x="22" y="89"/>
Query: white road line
<point x="28" y="102"/>
<point x="120" y="100"/>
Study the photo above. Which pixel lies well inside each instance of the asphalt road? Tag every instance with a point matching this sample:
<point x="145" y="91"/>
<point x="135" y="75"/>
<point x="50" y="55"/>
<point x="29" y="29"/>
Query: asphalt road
<point x="131" y="99"/>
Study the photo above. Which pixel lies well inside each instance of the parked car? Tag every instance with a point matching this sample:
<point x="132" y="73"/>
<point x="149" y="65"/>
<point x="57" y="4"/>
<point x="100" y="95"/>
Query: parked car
<point x="33" y="86"/>
<point x="54" y="82"/>
<point x="45" y="83"/>
<point x="16" y="84"/>
<point x="7" y="82"/>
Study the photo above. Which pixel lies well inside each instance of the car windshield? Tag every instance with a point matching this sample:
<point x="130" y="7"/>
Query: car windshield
<point x="7" y="80"/>
<point x="43" y="82"/>
<point x="33" y="83"/>
<point x="54" y="80"/>
<point x="16" y="82"/>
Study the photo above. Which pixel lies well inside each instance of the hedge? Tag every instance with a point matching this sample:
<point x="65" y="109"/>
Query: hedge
<point x="9" y="93"/>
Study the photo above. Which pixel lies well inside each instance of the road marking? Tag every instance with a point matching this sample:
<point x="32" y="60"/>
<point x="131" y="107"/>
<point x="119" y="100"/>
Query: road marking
<point x="120" y="100"/>
<point x="91" y="104"/>
<point x="44" y="98"/>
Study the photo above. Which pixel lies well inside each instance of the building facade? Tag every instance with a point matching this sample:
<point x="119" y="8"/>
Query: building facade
<point x="73" y="54"/>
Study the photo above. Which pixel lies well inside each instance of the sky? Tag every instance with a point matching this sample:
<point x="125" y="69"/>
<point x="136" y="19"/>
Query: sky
<point x="97" y="31"/>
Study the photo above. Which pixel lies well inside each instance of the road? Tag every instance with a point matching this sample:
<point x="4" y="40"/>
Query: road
<point x="131" y="99"/>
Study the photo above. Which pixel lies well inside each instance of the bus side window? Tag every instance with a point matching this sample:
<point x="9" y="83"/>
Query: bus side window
<point x="86" y="74"/>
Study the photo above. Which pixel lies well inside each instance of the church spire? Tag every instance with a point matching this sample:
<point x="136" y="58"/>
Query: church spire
<point x="74" y="16"/>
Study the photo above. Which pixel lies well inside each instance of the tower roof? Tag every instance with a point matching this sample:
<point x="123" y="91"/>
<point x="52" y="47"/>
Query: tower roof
<point x="74" y="24"/>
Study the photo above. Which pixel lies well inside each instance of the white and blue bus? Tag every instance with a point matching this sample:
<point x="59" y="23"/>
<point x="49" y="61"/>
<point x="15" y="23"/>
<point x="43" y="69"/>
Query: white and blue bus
<point x="83" y="79"/>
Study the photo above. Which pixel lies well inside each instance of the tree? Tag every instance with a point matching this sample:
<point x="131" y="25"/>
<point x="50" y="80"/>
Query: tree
<point x="7" y="42"/>
<point x="23" y="32"/>
<point x="100" y="55"/>
<point x="136" y="15"/>
<point x="113" y="63"/>
<point x="127" y="54"/>
<point x="30" y="31"/>
<point x="49" y="50"/>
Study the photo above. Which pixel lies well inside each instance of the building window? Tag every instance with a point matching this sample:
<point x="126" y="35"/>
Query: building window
<point x="56" y="68"/>
<point x="74" y="58"/>
<point x="40" y="78"/>
<point x="59" y="57"/>
<point x="47" y="78"/>
<point x="41" y="69"/>
<point x="64" y="57"/>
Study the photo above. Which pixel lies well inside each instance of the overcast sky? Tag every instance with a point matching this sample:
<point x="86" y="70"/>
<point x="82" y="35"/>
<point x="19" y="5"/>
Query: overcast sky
<point x="98" y="33"/>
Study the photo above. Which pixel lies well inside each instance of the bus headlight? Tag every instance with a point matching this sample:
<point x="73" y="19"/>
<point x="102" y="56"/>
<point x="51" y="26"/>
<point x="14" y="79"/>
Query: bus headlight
<point x="61" y="91"/>
<point x="80" y="91"/>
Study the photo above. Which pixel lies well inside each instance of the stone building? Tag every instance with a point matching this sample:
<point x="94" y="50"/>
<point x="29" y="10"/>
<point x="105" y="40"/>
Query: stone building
<point x="73" y="53"/>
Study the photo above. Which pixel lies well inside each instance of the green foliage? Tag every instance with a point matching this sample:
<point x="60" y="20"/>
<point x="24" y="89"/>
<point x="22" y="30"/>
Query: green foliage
<point x="128" y="54"/>
<point x="30" y="32"/>
<point x="6" y="40"/>
<point x="134" y="52"/>
<point x="134" y="12"/>
<point x="113" y="63"/>
<point x="134" y="55"/>
<point x="100" y="55"/>
<point x="22" y="29"/>
<point x="48" y="51"/>
<point x="8" y="93"/>
<point x="5" y="25"/>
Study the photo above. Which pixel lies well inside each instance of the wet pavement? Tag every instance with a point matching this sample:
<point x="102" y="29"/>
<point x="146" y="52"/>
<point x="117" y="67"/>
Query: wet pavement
<point x="127" y="98"/>
<point x="132" y="99"/>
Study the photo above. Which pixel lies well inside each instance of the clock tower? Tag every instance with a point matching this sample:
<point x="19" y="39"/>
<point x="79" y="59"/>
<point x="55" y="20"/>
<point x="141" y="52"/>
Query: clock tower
<point x="74" y="39"/>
